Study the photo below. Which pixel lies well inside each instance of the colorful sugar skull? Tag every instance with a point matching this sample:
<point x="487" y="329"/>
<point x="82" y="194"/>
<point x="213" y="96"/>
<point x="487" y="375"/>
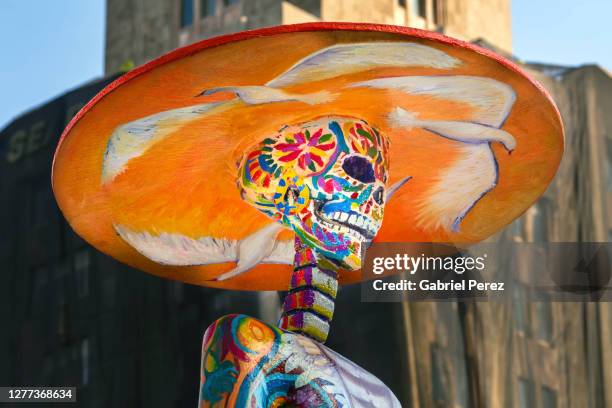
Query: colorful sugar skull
<point x="324" y="179"/>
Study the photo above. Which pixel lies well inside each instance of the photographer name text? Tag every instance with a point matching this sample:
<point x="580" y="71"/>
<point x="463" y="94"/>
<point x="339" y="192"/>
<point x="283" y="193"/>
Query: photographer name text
<point x="438" y="285"/>
<point x="459" y="265"/>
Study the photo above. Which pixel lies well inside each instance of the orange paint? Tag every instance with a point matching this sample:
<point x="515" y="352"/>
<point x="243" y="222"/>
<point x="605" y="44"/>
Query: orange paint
<point x="181" y="183"/>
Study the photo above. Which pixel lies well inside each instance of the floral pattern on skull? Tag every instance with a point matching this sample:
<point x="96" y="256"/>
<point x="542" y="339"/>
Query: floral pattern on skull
<point x="324" y="179"/>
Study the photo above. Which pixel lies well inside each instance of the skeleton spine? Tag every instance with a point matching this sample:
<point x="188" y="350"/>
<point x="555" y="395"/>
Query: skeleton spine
<point x="309" y="306"/>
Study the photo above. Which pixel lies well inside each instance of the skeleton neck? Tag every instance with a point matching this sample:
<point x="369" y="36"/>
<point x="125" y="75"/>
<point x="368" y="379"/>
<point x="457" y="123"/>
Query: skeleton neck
<point x="309" y="305"/>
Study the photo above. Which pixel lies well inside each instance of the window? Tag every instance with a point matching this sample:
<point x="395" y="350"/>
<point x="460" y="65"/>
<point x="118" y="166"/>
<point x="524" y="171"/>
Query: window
<point x="311" y="6"/>
<point x="516" y="230"/>
<point x="545" y="319"/>
<point x="539" y="226"/>
<point x="109" y="289"/>
<point x="269" y="306"/>
<point x="178" y="291"/>
<point x="48" y="368"/>
<point x="63" y="323"/>
<point x="435" y="11"/>
<point x="186" y="13"/>
<point x="229" y="2"/>
<point x="549" y="397"/>
<point x="418" y="8"/>
<point x="207" y="8"/>
<point x="461" y="380"/>
<point x="521" y="310"/>
<point x="72" y="110"/>
<point x="41" y="198"/>
<point x="81" y="270"/>
<point x="538" y="220"/>
<point x="526" y="399"/>
<point x="438" y="383"/>
<point x="85" y="351"/>
<point x="609" y="165"/>
<point x="39" y="290"/>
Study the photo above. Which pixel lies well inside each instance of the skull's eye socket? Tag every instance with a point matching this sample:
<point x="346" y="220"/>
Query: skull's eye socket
<point x="379" y="195"/>
<point x="359" y="168"/>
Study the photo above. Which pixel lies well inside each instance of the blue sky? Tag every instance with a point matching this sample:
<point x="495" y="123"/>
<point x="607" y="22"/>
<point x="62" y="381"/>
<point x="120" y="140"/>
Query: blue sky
<point x="49" y="47"/>
<point x="571" y="32"/>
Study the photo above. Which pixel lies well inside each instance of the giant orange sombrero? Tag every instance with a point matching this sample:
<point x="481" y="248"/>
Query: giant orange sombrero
<point x="146" y="172"/>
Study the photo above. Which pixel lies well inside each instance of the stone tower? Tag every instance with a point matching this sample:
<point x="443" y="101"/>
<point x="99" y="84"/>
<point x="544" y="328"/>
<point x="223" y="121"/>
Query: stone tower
<point x="138" y="31"/>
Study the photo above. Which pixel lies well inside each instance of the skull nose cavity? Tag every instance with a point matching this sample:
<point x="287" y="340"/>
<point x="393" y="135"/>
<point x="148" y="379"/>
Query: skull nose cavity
<point x="359" y="168"/>
<point x="379" y="196"/>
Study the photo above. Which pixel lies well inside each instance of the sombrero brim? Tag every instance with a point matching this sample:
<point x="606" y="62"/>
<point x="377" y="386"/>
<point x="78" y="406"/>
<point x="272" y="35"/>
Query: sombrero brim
<point x="182" y="187"/>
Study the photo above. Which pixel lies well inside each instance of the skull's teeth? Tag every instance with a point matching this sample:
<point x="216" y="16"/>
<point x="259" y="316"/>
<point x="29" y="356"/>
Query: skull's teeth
<point x="363" y="222"/>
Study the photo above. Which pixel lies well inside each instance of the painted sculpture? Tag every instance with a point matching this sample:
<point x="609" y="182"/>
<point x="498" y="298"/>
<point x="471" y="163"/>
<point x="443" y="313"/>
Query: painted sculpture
<point x="272" y="159"/>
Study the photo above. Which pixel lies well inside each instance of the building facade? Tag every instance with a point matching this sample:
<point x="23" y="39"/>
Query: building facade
<point x="137" y="31"/>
